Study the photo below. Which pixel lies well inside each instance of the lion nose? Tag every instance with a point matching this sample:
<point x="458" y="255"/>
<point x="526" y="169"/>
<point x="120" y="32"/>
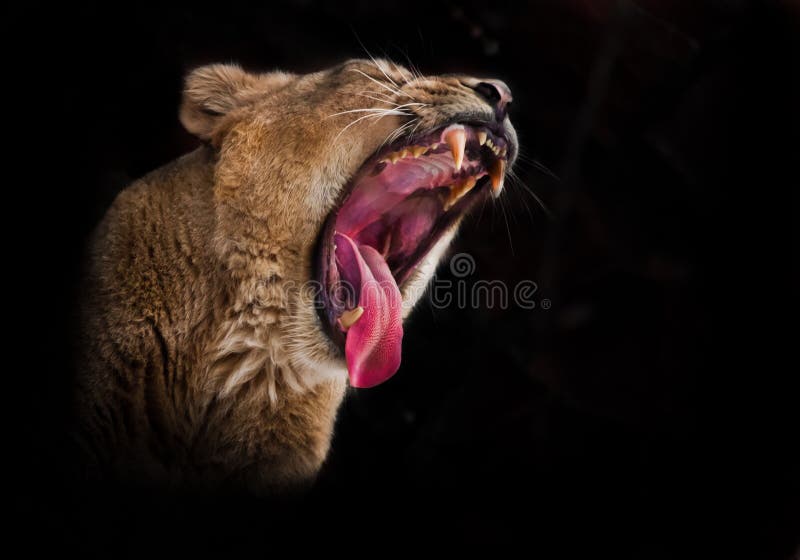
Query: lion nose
<point x="496" y="93"/>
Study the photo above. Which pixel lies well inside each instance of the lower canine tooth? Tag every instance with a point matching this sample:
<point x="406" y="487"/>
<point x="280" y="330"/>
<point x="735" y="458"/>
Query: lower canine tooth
<point x="481" y="137"/>
<point x="458" y="190"/>
<point x="349" y="317"/>
<point x="496" y="174"/>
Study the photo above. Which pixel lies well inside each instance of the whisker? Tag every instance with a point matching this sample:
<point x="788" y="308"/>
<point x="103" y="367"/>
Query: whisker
<point x="394" y="91"/>
<point x="483" y="207"/>
<point x="518" y="181"/>
<point x="399" y="132"/>
<point x="381" y="111"/>
<point x="415" y="104"/>
<point x="376" y="116"/>
<point x="508" y="228"/>
<point x="510" y="210"/>
<point x="544" y="169"/>
<point x="515" y="181"/>
<point x="378" y="66"/>
<point x="383" y="95"/>
<point x="415" y="70"/>
<point x="537" y="165"/>
<point x="419" y="123"/>
<point x="375" y="62"/>
<point x="403" y="71"/>
<point x="415" y="73"/>
<point x="396" y="133"/>
<point x="377" y="110"/>
<point x="404" y="105"/>
<point x="378" y="99"/>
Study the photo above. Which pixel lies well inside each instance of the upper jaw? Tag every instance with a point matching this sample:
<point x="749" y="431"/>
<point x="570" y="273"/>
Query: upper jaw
<point x="488" y="146"/>
<point x="501" y="134"/>
<point x="476" y="151"/>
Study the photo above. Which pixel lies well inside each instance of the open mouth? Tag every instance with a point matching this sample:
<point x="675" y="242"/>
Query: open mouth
<point x="402" y="200"/>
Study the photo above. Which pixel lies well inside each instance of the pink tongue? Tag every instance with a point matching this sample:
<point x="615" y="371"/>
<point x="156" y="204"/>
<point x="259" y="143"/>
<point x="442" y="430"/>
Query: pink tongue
<point x="373" y="343"/>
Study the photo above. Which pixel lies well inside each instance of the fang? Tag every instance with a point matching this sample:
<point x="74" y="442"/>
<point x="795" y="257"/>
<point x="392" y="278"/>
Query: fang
<point x="349" y="317"/>
<point x="456" y="138"/>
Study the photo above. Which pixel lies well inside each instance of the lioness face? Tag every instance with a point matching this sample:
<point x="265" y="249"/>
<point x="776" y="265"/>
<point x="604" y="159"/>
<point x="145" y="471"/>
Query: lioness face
<point x="365" y="171"/>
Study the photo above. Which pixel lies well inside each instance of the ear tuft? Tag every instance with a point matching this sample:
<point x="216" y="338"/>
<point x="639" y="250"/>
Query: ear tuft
<point x="211" y="92"/>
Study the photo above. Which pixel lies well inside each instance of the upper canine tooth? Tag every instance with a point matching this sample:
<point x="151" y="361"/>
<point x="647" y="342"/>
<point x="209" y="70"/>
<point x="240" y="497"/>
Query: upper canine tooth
<point x="349" y="317"/>
<point x="481" y="137"/>
<point x="418" y="150"/>
<point x="496" y="173"/>
<point x="456" y="138"/>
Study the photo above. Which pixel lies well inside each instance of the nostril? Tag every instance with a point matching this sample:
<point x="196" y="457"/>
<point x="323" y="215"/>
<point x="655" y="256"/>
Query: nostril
<point x="489" y="91"/>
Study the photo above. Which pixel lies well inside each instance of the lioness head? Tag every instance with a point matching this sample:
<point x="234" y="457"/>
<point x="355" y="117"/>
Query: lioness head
<point x="360" y="175"/>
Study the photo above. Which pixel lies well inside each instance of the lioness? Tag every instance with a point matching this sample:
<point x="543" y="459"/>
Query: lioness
<point x="230" y="293"/>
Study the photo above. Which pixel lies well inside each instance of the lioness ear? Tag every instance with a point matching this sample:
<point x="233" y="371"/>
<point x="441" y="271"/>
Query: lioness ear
<point x="211" y="92"/>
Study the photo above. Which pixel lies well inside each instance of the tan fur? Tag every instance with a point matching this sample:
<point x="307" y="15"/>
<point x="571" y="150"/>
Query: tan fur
<point x="203" y="357"/>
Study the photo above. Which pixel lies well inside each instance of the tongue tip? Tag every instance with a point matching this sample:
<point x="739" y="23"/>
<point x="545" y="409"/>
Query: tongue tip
<point x="366" y="379"/>
<point x="363" y="383"/>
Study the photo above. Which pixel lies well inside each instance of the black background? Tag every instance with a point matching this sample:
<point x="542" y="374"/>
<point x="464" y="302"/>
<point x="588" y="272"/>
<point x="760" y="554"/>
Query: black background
<point x="643" y="415"/>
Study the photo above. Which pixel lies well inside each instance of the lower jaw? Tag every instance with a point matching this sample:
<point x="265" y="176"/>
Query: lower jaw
<point x="411" y="279"/>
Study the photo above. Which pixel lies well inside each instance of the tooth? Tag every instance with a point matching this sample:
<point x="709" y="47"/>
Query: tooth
<point x="450" y="198"/>
<point x="466" y="186"/>
<point x="496" y="174"/>
<point x="349" y="317"/>
<point x="456" y="139"/>
<point x="387" y="244"/>
<point x="489" y="143"/>
<point x="503" y="152"/>
<point x="434" y="145"/>
<point x="481" y="137"/>
<point x="394" y="156"/>
<point x="458" y="190"/>
<point x="418" y="150"/>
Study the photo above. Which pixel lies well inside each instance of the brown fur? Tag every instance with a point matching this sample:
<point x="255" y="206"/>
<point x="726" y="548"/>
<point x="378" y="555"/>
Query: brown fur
<point x="203" y="359"/>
